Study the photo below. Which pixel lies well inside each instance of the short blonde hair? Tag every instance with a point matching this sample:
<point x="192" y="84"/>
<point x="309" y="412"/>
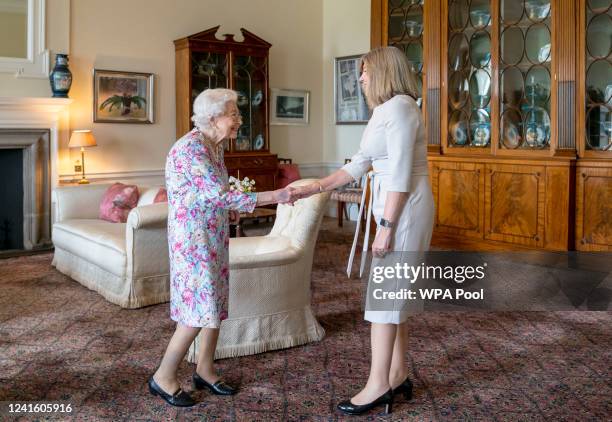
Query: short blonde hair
<point x="211" y="103"/>
<point x="389" y="74"/>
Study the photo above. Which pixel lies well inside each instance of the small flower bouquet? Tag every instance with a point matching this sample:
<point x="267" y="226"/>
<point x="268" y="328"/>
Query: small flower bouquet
<point x="245" y="185"/>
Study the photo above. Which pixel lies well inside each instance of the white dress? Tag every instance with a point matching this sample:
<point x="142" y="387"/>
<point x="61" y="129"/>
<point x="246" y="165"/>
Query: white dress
<point x="394" y="145"/>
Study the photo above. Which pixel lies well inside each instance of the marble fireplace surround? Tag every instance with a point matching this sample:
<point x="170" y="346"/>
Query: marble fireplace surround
<point x="37" y="126"/>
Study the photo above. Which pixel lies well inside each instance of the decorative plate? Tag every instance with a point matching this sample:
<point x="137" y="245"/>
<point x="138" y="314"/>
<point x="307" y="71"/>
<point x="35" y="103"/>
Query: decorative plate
<point x="512" y="136"/>
<point x="257" y="98"/>
<point x="242" y="99"/>
<point x="544" y="53"/>
<point x="481" y="134"/>
<point x="535" y="135"/>
<point x="259" y="142"/>
<point x="459" y="133"/>
<point x="243" y="144"/>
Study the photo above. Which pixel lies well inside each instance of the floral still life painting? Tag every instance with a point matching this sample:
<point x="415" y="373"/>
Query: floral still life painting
<point x="123" y="97"/>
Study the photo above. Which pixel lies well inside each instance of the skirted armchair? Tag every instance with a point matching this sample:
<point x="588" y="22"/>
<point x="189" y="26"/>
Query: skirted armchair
<point x="269" y="303"/>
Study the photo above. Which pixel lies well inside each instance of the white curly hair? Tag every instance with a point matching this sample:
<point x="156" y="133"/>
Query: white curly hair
<point x="209" y="104"/>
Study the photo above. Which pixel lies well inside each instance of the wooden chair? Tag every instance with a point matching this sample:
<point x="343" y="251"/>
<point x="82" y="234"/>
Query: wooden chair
<point x="349" y="195"/>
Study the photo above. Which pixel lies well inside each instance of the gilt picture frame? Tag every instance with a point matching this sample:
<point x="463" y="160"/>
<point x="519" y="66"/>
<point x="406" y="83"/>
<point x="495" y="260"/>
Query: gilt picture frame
<point x="123" y="97"/>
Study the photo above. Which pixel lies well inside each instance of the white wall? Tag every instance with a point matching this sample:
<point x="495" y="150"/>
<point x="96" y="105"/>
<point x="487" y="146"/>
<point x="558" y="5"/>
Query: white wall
<point x="346" y="32"/>
<point x="137" y="35"/>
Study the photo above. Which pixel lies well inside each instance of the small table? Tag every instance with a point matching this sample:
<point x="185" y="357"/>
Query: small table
<point x="255" y="216"/>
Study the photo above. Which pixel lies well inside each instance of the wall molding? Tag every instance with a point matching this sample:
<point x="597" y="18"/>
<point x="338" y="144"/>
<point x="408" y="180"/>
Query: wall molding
<point x="306" y="170"/>
<point x="103" y="177"/>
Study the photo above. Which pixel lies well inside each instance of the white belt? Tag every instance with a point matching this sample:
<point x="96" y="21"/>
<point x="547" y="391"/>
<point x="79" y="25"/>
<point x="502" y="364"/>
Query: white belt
<point x="367" y="178"/>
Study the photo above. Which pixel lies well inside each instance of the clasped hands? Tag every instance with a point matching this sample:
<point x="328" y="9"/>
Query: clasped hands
<point x="290" y="194"/>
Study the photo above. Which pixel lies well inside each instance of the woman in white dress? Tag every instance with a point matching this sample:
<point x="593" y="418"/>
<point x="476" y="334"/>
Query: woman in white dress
<point x="394" y="146"/>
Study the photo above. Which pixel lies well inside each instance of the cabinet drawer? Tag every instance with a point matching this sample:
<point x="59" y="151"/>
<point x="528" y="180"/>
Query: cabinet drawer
<point x="254" y="162"/>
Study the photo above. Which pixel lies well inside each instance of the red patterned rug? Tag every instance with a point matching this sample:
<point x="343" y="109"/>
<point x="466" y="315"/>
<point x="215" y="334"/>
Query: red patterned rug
<point x="62" y="342"/>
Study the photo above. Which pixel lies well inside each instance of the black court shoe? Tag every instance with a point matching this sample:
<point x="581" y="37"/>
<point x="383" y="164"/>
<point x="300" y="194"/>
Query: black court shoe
<point x="356" y="409"/>
<point x="404" y="388"/>
<point x="179" y="398"/>
<point x="219" y="388"/>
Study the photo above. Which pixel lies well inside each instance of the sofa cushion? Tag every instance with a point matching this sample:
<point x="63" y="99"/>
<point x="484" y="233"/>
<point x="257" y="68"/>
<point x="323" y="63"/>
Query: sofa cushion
<point x="162" y="196"/>
<point x="97" y="241"/>
<point x="148" y="194"/>
<point x="117" y="202"/>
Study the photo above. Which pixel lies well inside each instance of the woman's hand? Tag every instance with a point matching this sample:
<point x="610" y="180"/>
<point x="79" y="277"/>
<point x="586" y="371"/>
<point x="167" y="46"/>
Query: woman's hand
<point x="234" y="217"/>
<point x="382" y="242"/>
<point x="285" y="196"/>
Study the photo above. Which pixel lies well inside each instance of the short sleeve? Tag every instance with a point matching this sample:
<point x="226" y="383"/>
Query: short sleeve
<point x="401" y="128"/>
<point x="358" y="166"/>
<point x="210" y="188"/>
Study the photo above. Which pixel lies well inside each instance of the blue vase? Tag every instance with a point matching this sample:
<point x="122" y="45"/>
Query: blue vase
<point x="61" y="77"/>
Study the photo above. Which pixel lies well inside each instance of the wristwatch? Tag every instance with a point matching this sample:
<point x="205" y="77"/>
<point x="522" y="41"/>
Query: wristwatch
<point x="386" y="223"/>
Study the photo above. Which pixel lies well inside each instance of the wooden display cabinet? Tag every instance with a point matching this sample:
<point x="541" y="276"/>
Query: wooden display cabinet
<point x="518" y="111"/>
<point x="203" y="61"/>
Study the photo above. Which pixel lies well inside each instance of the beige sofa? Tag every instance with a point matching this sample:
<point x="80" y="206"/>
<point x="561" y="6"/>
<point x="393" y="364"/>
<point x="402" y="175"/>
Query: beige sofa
<point x="269" y="303"/>
<point x="127" y="263"/>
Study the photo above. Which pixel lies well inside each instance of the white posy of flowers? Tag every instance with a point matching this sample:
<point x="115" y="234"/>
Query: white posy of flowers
<point x="245" y="185"/>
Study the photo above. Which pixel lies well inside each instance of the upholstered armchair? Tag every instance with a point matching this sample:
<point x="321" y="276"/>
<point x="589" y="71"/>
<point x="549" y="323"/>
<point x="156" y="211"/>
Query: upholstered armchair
<point x="269" y="303"/>
<point x="127" y="263"/>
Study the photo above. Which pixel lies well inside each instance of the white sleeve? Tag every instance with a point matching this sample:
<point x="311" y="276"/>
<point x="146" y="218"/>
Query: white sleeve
<point x="401" y="128"/>
<point x="358" y="166"/>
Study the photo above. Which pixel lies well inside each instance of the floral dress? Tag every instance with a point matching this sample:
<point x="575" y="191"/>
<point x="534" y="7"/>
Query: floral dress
<point x="198" y="230"/>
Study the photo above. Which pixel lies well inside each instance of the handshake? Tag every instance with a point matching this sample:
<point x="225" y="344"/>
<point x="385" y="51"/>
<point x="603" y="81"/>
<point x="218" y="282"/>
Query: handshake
<point x="289" y="195"/>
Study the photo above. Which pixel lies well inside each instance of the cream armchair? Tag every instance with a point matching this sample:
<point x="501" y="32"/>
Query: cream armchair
<point x="269" y="303"/>
<point x="127" y="263"/>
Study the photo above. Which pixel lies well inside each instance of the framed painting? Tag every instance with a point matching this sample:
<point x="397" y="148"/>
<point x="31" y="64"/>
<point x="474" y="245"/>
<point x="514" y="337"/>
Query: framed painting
<point x="289" y="107"/>
<point x="350" y="103"/>
<point x="123" y="97"/>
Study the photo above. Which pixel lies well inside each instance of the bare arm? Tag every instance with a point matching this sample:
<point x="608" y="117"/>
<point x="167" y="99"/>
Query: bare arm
<point x="274" y="197"/>
<point x="394" y="204"/>
<point x="331" y="182"/>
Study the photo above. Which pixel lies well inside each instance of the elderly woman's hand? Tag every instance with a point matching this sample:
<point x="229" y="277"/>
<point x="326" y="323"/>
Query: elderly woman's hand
<point x="285" y="195"/>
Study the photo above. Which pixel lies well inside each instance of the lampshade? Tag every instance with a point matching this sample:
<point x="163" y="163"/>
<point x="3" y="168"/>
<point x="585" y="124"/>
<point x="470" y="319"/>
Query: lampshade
<point x="82" y="138"/>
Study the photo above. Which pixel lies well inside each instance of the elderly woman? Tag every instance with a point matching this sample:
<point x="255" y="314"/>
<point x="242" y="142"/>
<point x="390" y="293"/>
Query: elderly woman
<point x="394" y="145"/>
<point x="200" y="203"/>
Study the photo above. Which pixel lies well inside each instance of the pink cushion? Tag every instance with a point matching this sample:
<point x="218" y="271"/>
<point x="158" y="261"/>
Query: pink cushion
<point x="162" y="196"/>
<point x="117" y="202"/>
<point x="287" y="173"/>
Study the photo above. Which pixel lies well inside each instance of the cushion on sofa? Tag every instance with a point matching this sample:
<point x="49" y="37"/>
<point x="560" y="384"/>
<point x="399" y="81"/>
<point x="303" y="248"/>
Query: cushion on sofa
<point x="117" y="202"/>
<point x="162" y="196"/>
<point x="148" y="194"/>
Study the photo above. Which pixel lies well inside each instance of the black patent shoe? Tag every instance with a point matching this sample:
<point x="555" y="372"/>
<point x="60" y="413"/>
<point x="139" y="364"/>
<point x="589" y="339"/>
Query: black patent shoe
<point x="356" y="409"/>
<point x="219" y="388"/>
<point x="179" y="398"/>
<point x="404" y="388"/>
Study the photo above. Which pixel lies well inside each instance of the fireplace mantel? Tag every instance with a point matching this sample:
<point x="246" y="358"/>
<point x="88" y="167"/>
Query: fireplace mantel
<point x="51" y="114"/>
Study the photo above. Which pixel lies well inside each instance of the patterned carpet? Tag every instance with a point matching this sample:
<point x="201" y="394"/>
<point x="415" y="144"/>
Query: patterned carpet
<point x="60" y="341"/>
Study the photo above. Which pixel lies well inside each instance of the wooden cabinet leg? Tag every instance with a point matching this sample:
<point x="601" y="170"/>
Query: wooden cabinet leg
<point x="340" y="212"/>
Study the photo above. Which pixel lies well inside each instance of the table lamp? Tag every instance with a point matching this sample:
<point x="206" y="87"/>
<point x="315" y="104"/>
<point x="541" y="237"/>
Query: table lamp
<point x="82" y="138"/>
